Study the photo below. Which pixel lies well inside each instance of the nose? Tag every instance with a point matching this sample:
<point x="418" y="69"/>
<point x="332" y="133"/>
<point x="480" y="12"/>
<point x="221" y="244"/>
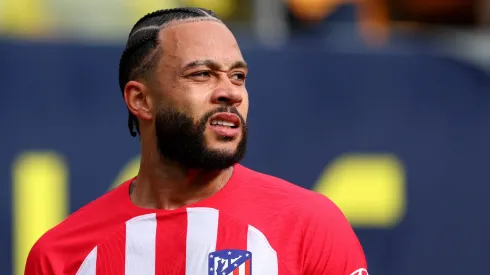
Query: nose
<point x="227" y="94"/>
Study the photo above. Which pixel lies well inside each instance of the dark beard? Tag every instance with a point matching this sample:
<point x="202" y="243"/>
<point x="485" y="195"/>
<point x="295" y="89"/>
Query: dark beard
<point x="180" y="139"/>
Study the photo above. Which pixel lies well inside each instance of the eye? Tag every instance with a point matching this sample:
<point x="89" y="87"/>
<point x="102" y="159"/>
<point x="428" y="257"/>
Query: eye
<point x="238" y="76"/>
<point x="201" y="74"/>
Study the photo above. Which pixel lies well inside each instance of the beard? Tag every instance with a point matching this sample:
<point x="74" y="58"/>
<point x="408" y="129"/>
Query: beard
<point x="182" y="140"/>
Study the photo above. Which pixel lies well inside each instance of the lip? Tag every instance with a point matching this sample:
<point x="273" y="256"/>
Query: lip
<point x="225" y="131"/>
<point x="228" y="117"/>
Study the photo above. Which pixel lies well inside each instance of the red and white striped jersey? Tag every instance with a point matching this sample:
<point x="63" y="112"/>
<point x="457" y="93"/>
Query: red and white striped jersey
<point x="256" y="224"/>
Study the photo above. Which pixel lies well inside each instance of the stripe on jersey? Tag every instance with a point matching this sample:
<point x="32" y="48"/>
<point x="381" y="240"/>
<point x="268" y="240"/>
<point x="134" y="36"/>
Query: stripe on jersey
<point x="140" y="248"/>
<point x="232" y="233"/>
<point x="202" y="233"/>
<point x="110" y="252"/>
<point x="170" y="243"/>
<point x="140" y="245"/>
<point x="89" y="265"/>
<point x="264" y="257"/>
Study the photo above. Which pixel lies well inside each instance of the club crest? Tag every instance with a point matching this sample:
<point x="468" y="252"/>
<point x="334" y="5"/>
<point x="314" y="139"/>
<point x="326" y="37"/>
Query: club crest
<point x="230" y="262"/>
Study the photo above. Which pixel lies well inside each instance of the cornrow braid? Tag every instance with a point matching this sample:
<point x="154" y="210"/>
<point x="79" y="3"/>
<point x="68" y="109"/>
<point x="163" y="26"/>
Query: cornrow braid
<point x="142" y="54"/>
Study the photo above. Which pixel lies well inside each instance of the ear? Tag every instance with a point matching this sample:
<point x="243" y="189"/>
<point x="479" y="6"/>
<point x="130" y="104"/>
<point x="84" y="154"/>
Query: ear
<point x="138" y="100"/>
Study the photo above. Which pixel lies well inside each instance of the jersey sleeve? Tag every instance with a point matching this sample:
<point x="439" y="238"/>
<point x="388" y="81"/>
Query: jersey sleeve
<point x="38" y="262"/>
<point x="330" y="244"/>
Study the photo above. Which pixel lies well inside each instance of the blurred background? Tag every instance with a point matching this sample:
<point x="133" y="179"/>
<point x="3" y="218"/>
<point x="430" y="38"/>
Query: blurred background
<point x="382" y="105"/>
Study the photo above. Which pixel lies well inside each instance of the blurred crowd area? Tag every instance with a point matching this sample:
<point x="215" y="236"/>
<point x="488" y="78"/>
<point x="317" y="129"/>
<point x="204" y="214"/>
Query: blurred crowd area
<point x="459" y="26"/>
<point x="111" y="19"/>
<point x="384" y="107"/>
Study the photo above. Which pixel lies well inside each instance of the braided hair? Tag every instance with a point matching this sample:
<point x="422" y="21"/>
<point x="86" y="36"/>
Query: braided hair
<point x="141" y="54"/>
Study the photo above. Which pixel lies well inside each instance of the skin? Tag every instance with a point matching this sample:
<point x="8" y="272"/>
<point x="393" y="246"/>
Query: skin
<point x="201" y="68"/>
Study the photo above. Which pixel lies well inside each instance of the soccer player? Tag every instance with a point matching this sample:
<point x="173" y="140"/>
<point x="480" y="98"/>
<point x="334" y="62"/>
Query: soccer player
<point x="192" y="209"/>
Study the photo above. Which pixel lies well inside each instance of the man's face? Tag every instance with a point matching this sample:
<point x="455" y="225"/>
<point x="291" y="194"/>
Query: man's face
<point x="201" y="103"/>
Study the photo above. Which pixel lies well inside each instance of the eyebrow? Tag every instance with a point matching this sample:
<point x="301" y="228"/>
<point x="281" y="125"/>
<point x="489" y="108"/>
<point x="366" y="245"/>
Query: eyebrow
<point x="215" y="65"/>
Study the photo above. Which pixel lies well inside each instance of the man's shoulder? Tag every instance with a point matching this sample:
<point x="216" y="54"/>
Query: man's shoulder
<point x="82" y="229"/>
<point x="289" y="195"/>
<point x="260" y="180"/>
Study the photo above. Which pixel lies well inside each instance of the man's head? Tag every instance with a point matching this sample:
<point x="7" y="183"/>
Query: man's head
<point x="183" y="79"/>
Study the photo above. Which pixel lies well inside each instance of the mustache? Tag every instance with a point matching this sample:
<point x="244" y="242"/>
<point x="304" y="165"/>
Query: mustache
<point x="223" y="109"/>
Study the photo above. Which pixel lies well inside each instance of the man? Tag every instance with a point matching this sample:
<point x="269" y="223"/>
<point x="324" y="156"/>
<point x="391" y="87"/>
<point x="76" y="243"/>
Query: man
<point x="192" y="210"/>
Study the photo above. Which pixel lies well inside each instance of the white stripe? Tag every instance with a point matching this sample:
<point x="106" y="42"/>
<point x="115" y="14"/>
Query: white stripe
<point x="241" y="269"/>
<point x="140" y="245"/>
<point x="202" y="232"/>
<point x="89" y="265"/>
<point x="264" y="257"/>
<point x="146" y="28"/>
<point x="206" y="13"/>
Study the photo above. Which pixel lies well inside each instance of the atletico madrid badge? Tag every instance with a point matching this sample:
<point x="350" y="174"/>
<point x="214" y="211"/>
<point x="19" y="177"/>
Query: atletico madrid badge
<point x="230" y="262"/>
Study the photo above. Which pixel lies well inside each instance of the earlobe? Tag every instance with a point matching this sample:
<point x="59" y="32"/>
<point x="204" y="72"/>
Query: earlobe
<point x="138" y="100"/>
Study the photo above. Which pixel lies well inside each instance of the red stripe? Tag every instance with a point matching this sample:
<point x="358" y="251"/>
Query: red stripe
<point x="232" y="234"/>
<point x="171" y="243"/>
<point x="247" y="267"/>
<point x="111" y="253"/>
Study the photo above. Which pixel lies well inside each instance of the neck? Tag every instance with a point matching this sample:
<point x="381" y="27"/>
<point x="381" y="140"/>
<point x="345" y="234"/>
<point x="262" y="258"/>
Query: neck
<point x="162" y="184"/>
